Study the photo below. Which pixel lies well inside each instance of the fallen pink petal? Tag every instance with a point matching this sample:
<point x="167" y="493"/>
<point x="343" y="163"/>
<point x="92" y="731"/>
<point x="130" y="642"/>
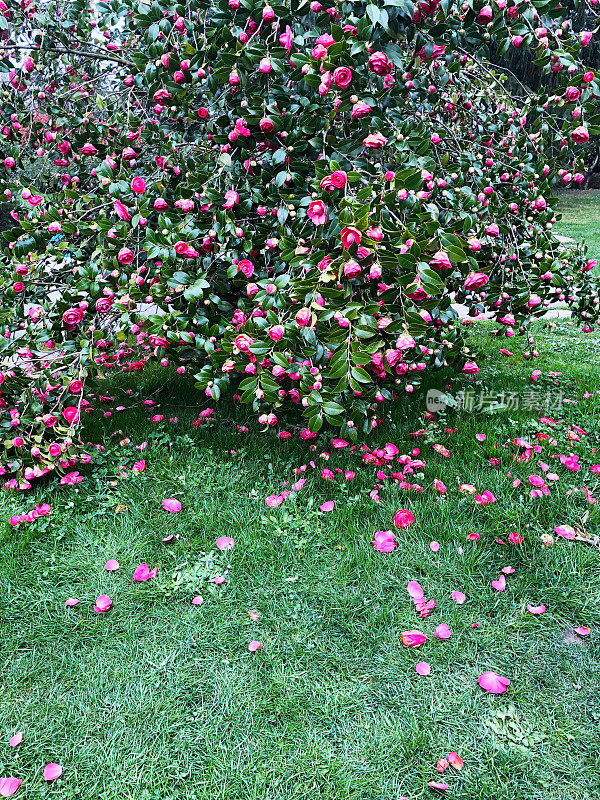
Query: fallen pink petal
<point x="500" y="584"/>
<point x="16" y="739"/>
<point x="536" y="609"/>
<point x="225" y="543"/>
<point x="172" y="505"/>
<point x="434" y="546"/>
<point x="413" y="638"/>
<point x="493" y="683"/>
<point x="111" y="565"/>
<point x="52" y="771"/>
<point x="566" y="531"/>
<point x="144" y="573"/>
<point x="71" y="601"/>
<point x="439" y="787"/>
<point x="442" y="631"/>
<point x="458" y="597"/>
<point x="423" y="668"/>
<point x="198" y="600"/>
<point x="384" y="541"/>
<point x="8" y="786"/>
<point x="582" y="630"/>
<point x="254" y="646"/>
<point x="455" y="761"/>
<point x="328" y="505"/>
<point x="103" y="603"/>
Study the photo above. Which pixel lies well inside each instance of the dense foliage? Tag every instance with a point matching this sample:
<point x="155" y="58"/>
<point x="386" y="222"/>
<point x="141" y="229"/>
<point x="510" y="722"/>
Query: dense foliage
<point x="285" y="200"/>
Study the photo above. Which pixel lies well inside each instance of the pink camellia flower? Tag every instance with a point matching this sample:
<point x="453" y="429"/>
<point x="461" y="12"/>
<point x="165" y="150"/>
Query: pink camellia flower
<point x="143" y="573"/>
<point x="172" y="505"/>
<point x="254" y="646"/>
<point x="8" y="786"/>
<point x="470" y="368"/>
<point x="485" y="15"/>
<point x="580" y="135"/>
<point x="423" y="668"/>
<point x="413" y="638"/>
<point x="350" y="236"/>
<point x="384" y="541"/>
<point x="352" y="269"/>
<point x="458" y="597"/>
<point x="476" y="280"/>
<point x="112" y="565"/>
<point x="403" y="518"/>
<point x="71" y="414"/>
<point x="440" y="260"/>
<point x="317" y="212"/>
<point x="493" y="683"/>
<point x="121" y="211"/>
<point x="379" y="63"/>
<point x="52" y="771"/>
<point x="138" y="185"/>
<point x="360" y="110"/>
<point x="442" y="631"/>
<point x="375" y="140"/>
<point x="276" y="333"/>
<point x="225" y="543"/>
<point x="342" y="76"/>
<point x="231" y="198"/>
<point x="72" y="316"/>
<point x="103" y="603"/>
<point x="536" y="609"/>
<point x="125" y="256"/>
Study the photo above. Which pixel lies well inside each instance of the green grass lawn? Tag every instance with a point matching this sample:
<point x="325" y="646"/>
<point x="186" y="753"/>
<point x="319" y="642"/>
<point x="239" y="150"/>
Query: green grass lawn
<point x="158" y="699"/>
<point x="581" y="218"/>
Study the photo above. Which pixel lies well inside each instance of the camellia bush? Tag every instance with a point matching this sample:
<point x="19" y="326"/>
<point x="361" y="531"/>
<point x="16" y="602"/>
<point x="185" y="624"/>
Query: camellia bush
<point x="285" y="201"/>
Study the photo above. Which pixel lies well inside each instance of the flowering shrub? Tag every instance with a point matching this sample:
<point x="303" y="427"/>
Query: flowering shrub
<point x="285" y="199"/>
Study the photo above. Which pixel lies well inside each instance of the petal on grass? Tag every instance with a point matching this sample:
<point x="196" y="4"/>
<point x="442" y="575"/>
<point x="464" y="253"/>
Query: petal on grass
<point x="535" y="609"/>
<point x="8" y="786"/>
<point x="455" y="761"/>
<point x="442" y="631"/>
<point x="16" y="739"/>
<point x="423" y="668"/>
<point x="225" y="543"/>
<point x="582" y="630"/>
<point x="493" y="683"/>
<point x="172" y="505"/>
<point x="52" y="771"/>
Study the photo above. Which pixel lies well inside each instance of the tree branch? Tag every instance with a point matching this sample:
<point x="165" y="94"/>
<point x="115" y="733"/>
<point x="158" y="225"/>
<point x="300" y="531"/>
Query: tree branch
<point x="97" y="56"/>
